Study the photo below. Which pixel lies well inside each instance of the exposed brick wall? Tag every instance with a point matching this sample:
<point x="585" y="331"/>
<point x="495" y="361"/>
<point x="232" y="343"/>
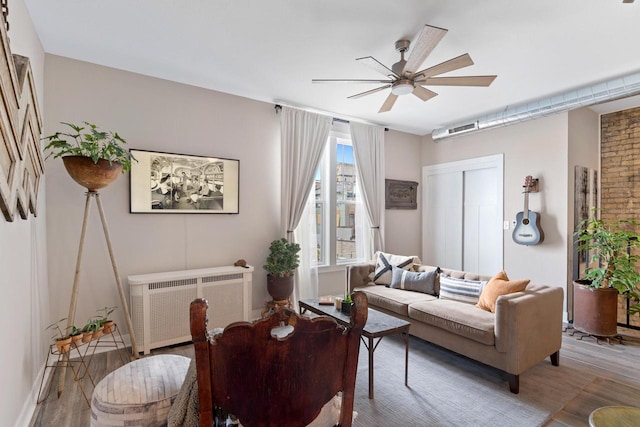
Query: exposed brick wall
<point x="620" y="174"/>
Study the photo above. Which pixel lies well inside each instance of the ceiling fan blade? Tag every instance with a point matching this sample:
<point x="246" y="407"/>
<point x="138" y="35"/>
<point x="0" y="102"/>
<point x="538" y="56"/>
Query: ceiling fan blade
<point x="376" y="65"/>
<point x="444" y="67"/>
<point x="457" y="81"/>
<point x="422" y="93"/>
<point x="388" y="103"/>
<point x="628" y="1"/>
<point x="427" y="40"/>
<point x="369" y="92"/>
<point x="349" y="81"/>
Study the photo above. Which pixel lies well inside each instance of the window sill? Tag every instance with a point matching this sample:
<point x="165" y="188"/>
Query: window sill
<point x="332" y="268"/>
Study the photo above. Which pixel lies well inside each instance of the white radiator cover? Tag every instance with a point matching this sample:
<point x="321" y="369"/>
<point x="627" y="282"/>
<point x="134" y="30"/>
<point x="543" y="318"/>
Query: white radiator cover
<point x="160" y="302"/>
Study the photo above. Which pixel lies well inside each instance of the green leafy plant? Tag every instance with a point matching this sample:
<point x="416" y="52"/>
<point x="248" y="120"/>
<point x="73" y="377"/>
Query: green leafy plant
<point x="93" y="143"/>
<point x="104" y="314"/>
<point x="75" y="331"/>
<point x="60" y="333"/>
<point x="612" y="249"/>
<point x="347" y="299"/>
<point x="283" y="258"/>
<point x="92" y="325"/>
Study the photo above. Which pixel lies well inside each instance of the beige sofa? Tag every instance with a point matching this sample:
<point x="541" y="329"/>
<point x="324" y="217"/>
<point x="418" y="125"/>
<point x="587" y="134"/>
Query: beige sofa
<point x="525" y="328"/>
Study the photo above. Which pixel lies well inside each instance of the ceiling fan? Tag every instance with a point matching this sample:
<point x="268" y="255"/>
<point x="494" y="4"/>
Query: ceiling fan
<point x="404" y="77"/>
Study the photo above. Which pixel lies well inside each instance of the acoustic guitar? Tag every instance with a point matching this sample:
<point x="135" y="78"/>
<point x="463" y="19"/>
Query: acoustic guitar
<point x="527" y="230"/>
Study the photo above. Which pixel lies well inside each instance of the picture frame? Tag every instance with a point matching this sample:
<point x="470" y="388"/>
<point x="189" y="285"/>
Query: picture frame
<point x="180" y="183"/>
<point x="400" y="194"/>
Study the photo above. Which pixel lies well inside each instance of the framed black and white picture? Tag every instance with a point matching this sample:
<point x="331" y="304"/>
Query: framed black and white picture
<point x="400" y="194"/>
<point x="180" y="183"/>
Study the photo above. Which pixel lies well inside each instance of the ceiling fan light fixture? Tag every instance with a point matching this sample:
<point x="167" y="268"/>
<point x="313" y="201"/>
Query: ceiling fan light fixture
<point x="402" y="87"/>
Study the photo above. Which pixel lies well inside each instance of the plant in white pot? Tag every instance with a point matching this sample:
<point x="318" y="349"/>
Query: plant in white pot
<point x="611" y="271"/>
<point x="93" y="158"/>
<point x="281" y="264"/>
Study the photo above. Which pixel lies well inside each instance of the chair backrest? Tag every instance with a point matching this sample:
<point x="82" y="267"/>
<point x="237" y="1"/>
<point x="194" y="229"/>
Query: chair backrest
<point x="267" y="380"/>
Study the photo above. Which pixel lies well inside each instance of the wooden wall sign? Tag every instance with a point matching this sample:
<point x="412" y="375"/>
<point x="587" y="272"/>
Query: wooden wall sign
<point x="400" y="194"/>
<point x="21" y="160"/>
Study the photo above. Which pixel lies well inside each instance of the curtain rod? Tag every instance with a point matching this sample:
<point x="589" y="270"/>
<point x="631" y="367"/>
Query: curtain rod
<point x="278" y="107"/>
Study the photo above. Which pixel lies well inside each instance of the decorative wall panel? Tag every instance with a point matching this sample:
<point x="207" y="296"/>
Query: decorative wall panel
<point x="21" y="161"/>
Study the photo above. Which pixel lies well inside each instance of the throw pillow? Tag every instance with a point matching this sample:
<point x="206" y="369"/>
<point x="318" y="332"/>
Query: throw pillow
<point x="384" y="264"/>
<point x="499" y="285"/>
<point x="412" y="281"/>
<point x="462" y="290"/>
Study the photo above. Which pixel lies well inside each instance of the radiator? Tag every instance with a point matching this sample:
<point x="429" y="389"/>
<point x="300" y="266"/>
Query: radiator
<point x="160" y="302"/>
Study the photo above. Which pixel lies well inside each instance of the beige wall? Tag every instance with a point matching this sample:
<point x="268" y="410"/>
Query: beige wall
<point x="584" y="150"/>
<point x="24" y="310"/>
<point x="538" y="148"/>
<point x="402" y="161"/>
<point x="159" y="115"/>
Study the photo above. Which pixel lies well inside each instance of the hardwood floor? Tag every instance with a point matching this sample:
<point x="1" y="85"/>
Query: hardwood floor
<point x="614" y="366"/>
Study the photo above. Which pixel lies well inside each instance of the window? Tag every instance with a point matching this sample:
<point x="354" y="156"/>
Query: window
<point x="336" y="191"/>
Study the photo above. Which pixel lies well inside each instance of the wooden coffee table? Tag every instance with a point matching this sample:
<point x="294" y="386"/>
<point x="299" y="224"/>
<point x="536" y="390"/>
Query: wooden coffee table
<point x="378" y="325"/>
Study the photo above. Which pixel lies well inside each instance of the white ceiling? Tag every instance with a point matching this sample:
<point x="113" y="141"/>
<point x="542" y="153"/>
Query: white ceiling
<point x="270" y="50"/>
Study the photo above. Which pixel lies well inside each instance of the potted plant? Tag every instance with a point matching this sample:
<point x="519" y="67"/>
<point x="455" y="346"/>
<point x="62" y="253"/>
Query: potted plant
<point x="62" y="339"/>
<point x="93" y="329"/>
<point x="104" y="320"/>
<point x="87" y="332"/>
<point x="92" y="157"/>
<point x="76" y="336"/>
<point x="611" y="271"/>
<point x="347" y="303"/>
<point x="281" y="264"/>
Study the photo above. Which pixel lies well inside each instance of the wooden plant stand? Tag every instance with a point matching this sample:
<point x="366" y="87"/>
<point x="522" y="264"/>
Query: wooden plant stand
<point x="63" y="361"/>
<point x="91" y="194"/>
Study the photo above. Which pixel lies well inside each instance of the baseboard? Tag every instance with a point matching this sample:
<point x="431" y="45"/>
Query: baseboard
<point x="28" y="410"/>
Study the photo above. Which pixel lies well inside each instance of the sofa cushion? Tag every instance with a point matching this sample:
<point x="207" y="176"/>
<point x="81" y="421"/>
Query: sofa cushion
<point x="385" y="263"/>
<point x="413" y="281"/>
<point x="462" y="290"/>
<point x="458" y="318"/>
<point x="497" y="286"/>
<point x="458" y="274"/>
<point x="394" y="300"/>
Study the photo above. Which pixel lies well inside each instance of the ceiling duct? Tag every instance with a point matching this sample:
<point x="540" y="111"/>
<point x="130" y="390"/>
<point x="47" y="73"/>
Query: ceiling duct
<point x="611" y="90"/>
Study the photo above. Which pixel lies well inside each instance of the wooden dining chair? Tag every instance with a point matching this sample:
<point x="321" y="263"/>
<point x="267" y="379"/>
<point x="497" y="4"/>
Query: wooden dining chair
<point x="277" y="371"/>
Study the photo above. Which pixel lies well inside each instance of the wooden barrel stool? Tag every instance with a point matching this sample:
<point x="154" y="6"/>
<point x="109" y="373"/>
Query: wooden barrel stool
<point x="139" y="393"/>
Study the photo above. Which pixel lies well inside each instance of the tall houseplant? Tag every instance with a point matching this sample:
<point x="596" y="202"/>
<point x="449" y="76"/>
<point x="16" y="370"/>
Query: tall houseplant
<point x="281" y="264"/>
<point x="93" y="157"/>
<point x="611" y="271"/>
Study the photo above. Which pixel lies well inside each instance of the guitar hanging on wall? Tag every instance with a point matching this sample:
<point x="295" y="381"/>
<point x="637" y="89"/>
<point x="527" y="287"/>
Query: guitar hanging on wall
<point x="527" y="230"/>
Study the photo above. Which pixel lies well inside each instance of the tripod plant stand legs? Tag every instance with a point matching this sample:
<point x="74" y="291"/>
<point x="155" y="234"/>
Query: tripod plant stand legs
<point x="76" y="281"/>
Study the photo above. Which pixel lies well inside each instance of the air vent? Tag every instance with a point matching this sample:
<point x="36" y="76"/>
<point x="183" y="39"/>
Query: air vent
<point x="463" y="128"/>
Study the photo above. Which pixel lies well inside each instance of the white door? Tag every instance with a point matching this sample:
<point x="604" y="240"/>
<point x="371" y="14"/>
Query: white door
<point x="443" y="198"/>
<point x="462" y="215"/>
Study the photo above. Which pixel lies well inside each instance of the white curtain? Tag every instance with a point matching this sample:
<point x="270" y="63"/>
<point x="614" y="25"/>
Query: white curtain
<point x="304" y="136"/>
<point x="305" y="235"/>
<point x="368" y="150"/>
